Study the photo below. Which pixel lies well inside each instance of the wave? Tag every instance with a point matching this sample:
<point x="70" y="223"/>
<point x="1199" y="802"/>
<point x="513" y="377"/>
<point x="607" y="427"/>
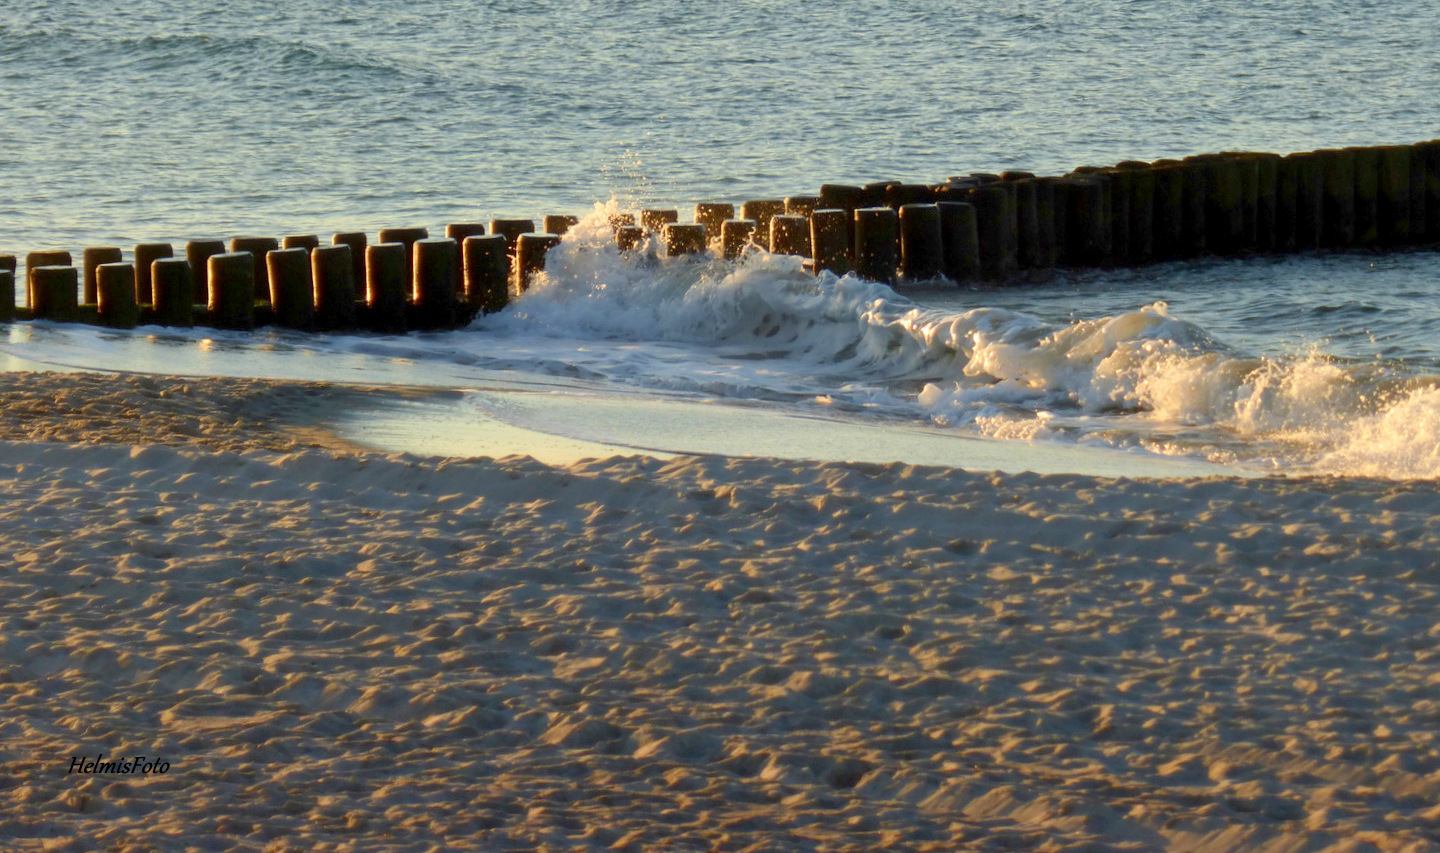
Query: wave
<point x="1142" y="378"/>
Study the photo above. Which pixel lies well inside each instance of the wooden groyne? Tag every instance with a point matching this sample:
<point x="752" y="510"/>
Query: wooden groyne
<point x="997" y="228"/>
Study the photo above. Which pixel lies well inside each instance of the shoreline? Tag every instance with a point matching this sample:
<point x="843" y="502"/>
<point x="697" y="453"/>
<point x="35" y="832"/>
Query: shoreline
<point x="371" y="651"/>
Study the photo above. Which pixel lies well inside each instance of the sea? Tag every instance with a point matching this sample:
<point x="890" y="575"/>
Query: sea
<point x="168" y="120"/>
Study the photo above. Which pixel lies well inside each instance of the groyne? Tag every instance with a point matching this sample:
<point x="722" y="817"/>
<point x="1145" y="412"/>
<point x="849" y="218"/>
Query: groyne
<point x="979" y="227"/>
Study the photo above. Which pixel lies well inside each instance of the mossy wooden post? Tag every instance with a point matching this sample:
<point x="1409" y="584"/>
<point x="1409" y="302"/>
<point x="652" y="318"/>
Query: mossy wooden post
<point x="91" y="259"/>
<point x="1367" y="195"/>
<point x="487" y="273"/>
<point x="712" y="214"/>
<point x="405" y="237"/>
<point x="1027" y="224"/>
<point x="7" y="295"/>
<point x="115" y="295"/>
<point x="876" y="237"/>
<point x="841" y="197"/>
<point x="173" y="287"/>
<point x="654" y="220"/>
<point x="1309" y="199"/>
<point x="232" y="290"/>
<point x="357" y="242"/>
<point x="257" y="247"/>
<point x="437" y="259"/>
<point x="308" y="242"/>
<point x="735" y="235"/>
<point x="760" y="211"/>
<point x="198" y="253"/>
<point x="292" y="292"/>
<point x="960" y="241"/>
<point x="333" y="274"/>
<point x="830" y="240"/>
<point x="35" y="260"/>
<point x="921" y="243"/>
<point x="790" y="235"/>
<point x="145" y="256"/>
<point x="1338" y="213"/>
<point x="628" y="238"/>
<point x="387" y="285"/>
<point x="530" y="252"/>
<point x="686" y="239"/>
<point x="1393" y="207"/>
<point x="1138" y="182"/>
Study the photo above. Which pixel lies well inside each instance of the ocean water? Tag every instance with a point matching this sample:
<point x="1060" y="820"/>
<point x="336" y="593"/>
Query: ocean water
<point x="171" y="121"/>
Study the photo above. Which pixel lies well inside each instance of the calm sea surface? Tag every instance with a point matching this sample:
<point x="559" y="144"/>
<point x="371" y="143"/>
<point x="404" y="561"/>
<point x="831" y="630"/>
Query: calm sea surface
<point x="142" y="121"/>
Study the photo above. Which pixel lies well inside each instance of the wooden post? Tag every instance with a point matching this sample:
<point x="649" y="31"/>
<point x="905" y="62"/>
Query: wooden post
<point x="1338" y="213"/>
<point x="292" y="293"/>
<point x="307" y="242"/>
<point x="790" y="235"/>
<point x="258" y="247"/>
<point x="91" y="259"/>
<point x="712" y="214"/>
<point x="57" y="291"/>
<point x="1309" y="199"/>
<point x="559" y="224"/>
<point x="654" y="220"/>
<point x="1224" y="197"/>
<point x="761" y="211"/>
<point x="687" y="239"/>
<point x="876" y="232"/>
<point x="802" y="205"/>
<point x="35" y="260"/>
<point x="487" y="273"/>
<point x="1393" y="208"/>
<point x="333" y="272"/>
<point x="1027" y="224"/>
<point x="1169" y="211"/>
<point x="960" y="240"/>
<point x="921" y="243"/>
<point x="995" y="222"/>
<point x="1429" y="155"/>
<point x="145" y="256"/>
<point x="1087" y="228"/>
<point x="1287" y="188"/>
<point x="198" y="253"/>
<point x="735" y="235"/>
<point x="405" y="237"/>
<point x="115" y="295"/>
<point x="173" y="288"/>
<point x="437" y="259"/>
<point x="1267" y="177"/>
<point x="1045" y="216"/>
<point x="232" y="290"/>
<point x="386" y="285"/>
<point x="629" y="237"/>
<point x="530" y="253"/>
<point x="357" y="242"/>
<point x="459" y="231"/>
<point x="898" y="195"/>
<point x="830" y="240"/>
<point x="7" y="294"/>
<point x="1138" y="181"/>
<point x="1367" y="195"/>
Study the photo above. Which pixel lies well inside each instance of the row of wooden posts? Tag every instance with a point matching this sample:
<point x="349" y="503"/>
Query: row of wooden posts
<point x="982" y="227"/>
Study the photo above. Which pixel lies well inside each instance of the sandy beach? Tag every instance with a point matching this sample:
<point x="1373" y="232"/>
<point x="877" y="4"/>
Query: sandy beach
<point x="331" y="649"/>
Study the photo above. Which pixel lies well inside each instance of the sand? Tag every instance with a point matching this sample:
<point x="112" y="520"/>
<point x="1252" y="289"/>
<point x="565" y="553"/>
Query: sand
<point x="334" y="650"/>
